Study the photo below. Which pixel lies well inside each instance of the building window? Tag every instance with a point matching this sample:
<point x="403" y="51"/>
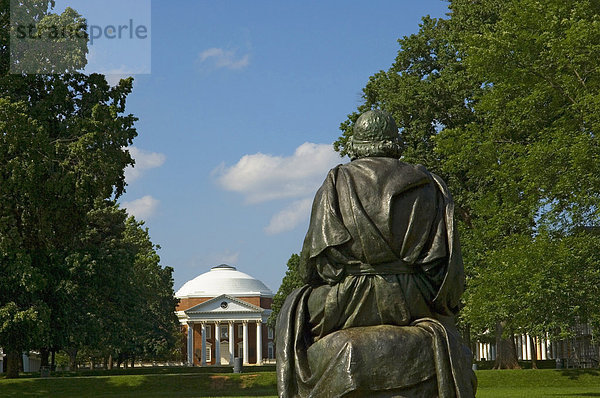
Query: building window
<point x="240" y="331"/>
<point x="271" y="354"/>
<point x="224" y="332"/>
<point x="270" y="333"/>
<point x="208" y="329"/>
<point x="208" y="354"/>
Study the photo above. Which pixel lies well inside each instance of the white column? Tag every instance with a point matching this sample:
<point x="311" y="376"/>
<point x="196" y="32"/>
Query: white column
<point x="26" y="362"/>
<point x="259" y="342"/>
<point x="190" y="344"/>
<point x="520" y="347"/>
<point x="528" y="348"/>
<point x="231" y="342"/>
<point x="544" y="348"/>
<point x="245" y="341"/>
<point x="217" y="343"/>
<point x="523" y="354"/>
<point x="203" y="348"/>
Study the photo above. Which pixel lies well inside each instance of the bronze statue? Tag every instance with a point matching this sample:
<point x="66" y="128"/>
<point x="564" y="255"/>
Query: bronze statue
<point x="384" y="276"/>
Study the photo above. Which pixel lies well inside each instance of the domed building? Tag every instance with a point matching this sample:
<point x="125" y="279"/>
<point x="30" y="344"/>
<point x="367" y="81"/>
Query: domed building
<point x="224" y="313"/>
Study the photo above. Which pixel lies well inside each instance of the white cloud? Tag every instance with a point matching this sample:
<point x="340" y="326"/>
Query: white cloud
<point x="142" y="208"/>
<point x="288" y="218"/>
<point x="220" y="58"/>
<point x="144" y="160"/>
<point x="261" y="177"/>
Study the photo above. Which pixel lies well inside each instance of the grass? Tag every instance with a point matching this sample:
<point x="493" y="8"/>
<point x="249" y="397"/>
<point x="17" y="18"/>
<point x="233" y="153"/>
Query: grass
<point x="196" y="382"/>
<point x="529" y="383"/>
<point x="193" y="384"/>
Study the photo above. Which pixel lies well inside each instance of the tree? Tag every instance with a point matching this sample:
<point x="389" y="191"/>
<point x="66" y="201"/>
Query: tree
<point x="119" y="300"/>
<point x="62" y="147"/>
<point x="154" y="327"/>
<point x="290" y="281"/>
<point x="98" y="305"/>
<point x="534" y="139"/>
<point x="502" y="99"/>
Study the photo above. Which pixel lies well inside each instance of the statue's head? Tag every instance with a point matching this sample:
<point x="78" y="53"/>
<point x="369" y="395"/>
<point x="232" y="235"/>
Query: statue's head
<point x="375" y="134"/>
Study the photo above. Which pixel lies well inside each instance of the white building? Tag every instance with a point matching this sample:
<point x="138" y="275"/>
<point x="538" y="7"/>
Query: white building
<point x="223" y="313"/>
<point x="579" y="351"/>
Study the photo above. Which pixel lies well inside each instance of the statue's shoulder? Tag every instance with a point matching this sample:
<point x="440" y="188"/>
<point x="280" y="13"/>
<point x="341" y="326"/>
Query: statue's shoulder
<point x="385" y="164"/>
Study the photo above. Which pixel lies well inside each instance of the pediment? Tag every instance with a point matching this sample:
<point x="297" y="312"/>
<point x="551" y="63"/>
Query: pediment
<point x="224" y="304"/>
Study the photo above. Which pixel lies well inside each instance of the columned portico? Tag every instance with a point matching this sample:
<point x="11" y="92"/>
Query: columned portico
<point x="215" y="308"/>
<point x="210" y="344"/>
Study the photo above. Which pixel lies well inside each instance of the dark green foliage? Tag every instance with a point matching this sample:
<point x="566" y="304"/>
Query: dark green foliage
<point x="68" y="257"/>
<point x="290" y="281"/>
<point x="502" y="99"/>
<point x="118" y="298"/>
<point x="151" y="301"/>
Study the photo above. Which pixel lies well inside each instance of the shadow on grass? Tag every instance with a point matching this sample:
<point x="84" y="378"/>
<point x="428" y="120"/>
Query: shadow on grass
<point x="574" y="374"/>
<point x="153" y="385"/>
<point x="580" y="394"/>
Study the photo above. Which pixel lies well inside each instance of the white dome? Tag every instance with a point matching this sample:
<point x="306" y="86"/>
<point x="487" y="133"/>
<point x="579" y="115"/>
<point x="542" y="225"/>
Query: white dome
<point x="223" y="279"/>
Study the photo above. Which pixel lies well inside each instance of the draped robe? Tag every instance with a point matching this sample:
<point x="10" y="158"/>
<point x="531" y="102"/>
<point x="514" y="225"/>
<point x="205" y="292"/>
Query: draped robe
<point x="384" y="276"/>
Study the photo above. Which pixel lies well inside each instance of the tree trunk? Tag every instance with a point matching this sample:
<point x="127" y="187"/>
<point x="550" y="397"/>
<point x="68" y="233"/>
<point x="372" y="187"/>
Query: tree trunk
<point x="72" y="359"/>
<point x="12" y="363"/>
<point x="533" y="350"/>
<point x="105" y="363"/>
<point x="132" y="361"/>
<point x="506" y="353"/>
<point x="44" y="355"/>
<point x="466" y="335"/>
<point x="110" y="362"/>
<point x="53" y="361"/>
<point x="92" y="363"/>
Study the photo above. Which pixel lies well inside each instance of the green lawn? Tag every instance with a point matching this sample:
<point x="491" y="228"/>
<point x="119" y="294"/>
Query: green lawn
<point x="492" y="384"/>
<point x="144" y="385"/>
<point x="538" y="383"/>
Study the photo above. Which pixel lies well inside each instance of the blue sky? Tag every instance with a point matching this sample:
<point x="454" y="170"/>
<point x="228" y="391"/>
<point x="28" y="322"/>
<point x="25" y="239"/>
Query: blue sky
<point x="237" y="117"/>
